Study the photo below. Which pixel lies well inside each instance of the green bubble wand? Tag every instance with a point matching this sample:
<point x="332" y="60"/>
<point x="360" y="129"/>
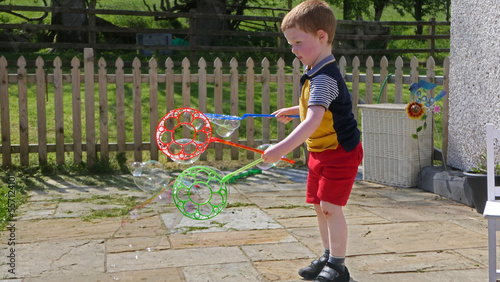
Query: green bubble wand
<point x="200" y="192"/>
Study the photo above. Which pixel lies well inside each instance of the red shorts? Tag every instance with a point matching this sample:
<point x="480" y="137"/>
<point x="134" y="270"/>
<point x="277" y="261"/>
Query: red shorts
<point x="332" y="174"/>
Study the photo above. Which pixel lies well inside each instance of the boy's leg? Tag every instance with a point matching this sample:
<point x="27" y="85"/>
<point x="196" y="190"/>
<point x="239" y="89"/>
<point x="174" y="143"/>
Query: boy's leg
<point x="312" y="271"/>
<point x="323" y="227"/>
<point x="337" y="228"/>
<point x="335" y="269"/>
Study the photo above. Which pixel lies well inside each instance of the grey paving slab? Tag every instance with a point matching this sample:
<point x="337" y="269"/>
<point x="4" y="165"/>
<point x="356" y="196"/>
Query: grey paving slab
<point x="281" y="270"/>
<point x="277" y="201"/>
<point x="174" y="258"/>
<point x="231" y="238"/>
<point x="441" y="276"/>
<point x="411" y="237"/>
<point x="229" y="219"/>
<point x="243" y="271"/>
<point x="65" y="228"/>
<point x="149" y="275"/>
<point x="412" y="262"/>
<point x="75" y="257"/>
<point x="280" y="251"/>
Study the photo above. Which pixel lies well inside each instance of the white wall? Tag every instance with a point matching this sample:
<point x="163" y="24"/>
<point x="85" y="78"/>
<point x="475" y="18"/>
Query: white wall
<point x="474" y="78"/>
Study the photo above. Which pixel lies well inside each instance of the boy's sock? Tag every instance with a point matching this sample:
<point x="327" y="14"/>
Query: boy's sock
<point x="327" y="252"/>
<point x="338" y="262"/>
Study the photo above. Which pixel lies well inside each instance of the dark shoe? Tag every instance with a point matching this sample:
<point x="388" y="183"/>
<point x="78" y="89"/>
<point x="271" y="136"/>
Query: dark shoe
<point x="331" y="273"/>
<point x="311" y="271"/>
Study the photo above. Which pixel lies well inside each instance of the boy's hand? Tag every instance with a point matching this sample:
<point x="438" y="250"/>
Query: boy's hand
<point x="272" y="154"/>
<point x="282" y="115"/>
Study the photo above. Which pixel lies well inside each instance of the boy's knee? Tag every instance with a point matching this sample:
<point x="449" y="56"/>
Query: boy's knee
<point x="330" y="209"/>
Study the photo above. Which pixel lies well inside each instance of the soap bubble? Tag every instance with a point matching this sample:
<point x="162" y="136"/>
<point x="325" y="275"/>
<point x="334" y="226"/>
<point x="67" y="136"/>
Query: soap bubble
<point x="149" y="176"/>
<point x="263" y="165"/>
<point x="199" y="192"/>
<point x="225" y="127"/>
<point x="185" y="149"/>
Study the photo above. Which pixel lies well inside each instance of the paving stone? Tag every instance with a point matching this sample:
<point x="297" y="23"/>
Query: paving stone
<point x="69" y="209"/>
<point x="243" y="271"/>
<point x="310" y="238"/>
<point x="441" y="276"/>
<point x="421" y="212"/>
<point x="151" y="275"/>
<point x="66" y="228"/>
<point x="78" y="257"/>
<point x="479" y="255"/>
<point x="33" y="214"/>
<point x="276" y="201"/>
<point x="196" y="240"/>
<point x="410" y="237"/>
<point x="174" y="258"/>
<point x="229" y="219"/>
<point x="142" y="243"/>
<point x="280" y="251"/>
<point x="298" y="222"/>
<point x="281" y="270"/>
<point x="356" y="214"/>
<point x="411" y="262"/>
<point x="300" y="211"/>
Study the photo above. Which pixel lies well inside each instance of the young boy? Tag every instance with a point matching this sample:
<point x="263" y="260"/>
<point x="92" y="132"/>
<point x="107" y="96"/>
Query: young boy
<point x="329" y="129"/>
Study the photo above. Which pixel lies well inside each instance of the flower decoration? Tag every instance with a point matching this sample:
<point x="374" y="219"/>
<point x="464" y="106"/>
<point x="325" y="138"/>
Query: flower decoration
<point x="415" y="110"/>
<point x="419" y="106"/>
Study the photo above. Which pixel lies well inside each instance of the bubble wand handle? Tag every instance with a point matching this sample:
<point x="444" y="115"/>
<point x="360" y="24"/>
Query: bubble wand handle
<point x="215" y="139"/>
<point x="226" y="178"/>
<point x="266" y="115"/>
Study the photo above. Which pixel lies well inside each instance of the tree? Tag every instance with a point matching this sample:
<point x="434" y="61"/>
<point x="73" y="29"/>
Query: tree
<point x="352" y="8"/>
<point x="420" y="8"/>
<point x="214" y="7"/>
<point x="69" y="19"/>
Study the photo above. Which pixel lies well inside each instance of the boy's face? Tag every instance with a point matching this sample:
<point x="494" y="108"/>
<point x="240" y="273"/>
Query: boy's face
<point x="309" y="48"/>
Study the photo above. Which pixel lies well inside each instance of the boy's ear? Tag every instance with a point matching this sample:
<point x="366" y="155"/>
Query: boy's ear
<point x="322" y="35"/>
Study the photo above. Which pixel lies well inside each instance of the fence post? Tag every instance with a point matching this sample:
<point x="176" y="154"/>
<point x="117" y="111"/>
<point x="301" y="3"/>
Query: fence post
<point x="355" y="87"/>
<point x="250" y="106"/>
<point x="218" y="101"/>
<point x="88" y="55"/>
<point x="398" y="84"/>
<point x="59" y="110"/>
<point x="384" y="64"/>
<point x="103" y="109"/>
<point x="22" y="82"/>
<point x="432" y="32"/>
<point x="234" y="101"/>
<point x="41" y="91"/>
<point x="266" y="108"/>
<point x="120" y="107"/>
<point x="5" y="115"/>
<point x="369" y="80"/>
<point x="202" y="97"/>
<point x="137" y="104"/>
<point x="77" y="110"/>
<point x="153" y="108"/>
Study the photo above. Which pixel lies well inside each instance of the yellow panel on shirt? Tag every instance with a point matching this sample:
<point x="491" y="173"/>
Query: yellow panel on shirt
<point x="324" y="137"/>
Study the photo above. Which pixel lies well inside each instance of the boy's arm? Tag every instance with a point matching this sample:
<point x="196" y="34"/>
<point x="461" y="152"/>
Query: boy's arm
<point x="297" y="137"/>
